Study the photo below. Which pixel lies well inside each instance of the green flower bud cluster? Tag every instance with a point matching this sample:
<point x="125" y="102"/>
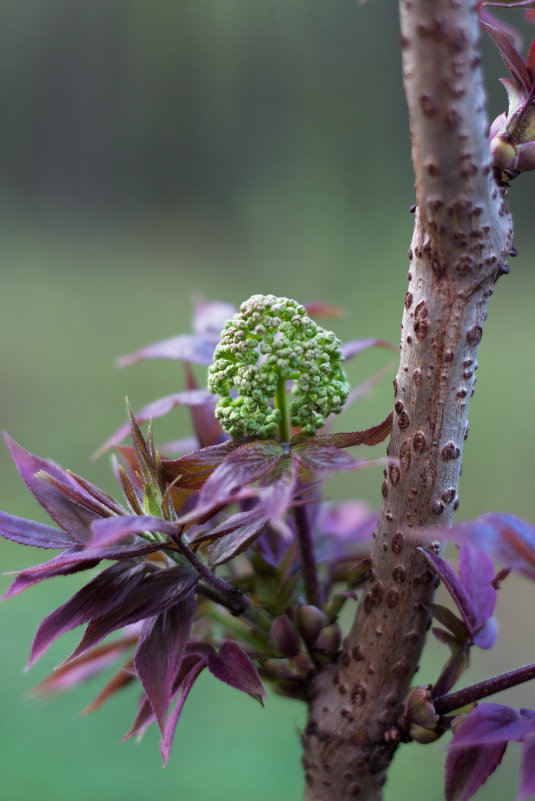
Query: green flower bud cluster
<point x="269" y="341"/>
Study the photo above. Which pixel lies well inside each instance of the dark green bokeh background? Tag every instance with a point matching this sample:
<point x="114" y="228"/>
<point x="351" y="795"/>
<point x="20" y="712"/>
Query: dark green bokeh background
<point x="155" y="151"/>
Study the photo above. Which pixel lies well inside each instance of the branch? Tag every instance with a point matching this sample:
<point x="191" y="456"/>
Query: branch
<point x="462" y="237"/>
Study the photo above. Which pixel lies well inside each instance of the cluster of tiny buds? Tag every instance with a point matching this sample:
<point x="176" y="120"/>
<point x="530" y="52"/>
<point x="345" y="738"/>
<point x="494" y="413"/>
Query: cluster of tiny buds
<point x="271" y="340"/>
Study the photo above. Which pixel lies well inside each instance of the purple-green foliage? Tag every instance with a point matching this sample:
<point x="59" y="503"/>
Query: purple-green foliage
<point x="292" y="562"/>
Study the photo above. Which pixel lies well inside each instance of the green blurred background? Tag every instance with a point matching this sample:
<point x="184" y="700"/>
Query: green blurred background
<point x="154" y="152"/>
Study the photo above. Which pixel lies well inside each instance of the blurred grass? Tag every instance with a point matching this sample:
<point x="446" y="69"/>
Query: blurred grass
<point x="295" y="182"/>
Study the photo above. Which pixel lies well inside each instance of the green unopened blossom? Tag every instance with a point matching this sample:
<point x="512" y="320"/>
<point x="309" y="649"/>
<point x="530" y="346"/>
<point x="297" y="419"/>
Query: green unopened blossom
<point x="268" y="342"/>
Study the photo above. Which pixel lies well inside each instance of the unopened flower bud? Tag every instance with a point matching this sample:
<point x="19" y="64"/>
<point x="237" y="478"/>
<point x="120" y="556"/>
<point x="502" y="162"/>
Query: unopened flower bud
<point x="329" y="639"/>
<point x="309" y="621"/>
<point x="283" y="637"/>
<point x="420" y="718"/>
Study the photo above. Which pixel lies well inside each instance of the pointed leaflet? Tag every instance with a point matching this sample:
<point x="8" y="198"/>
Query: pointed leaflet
<point x="79" y="670"/>
<point x="111" y="529"/>
<point x="26" y="532"/>
<point x="210" y="316"/>
<point x="73" y="518"/>
<point x="468" y="769"/>
<point x="488" y="724"/>
<point x="159" y="408"/>
<point x="350" y="349"/>
<point x="527" y="774"/>
<point x="512" y="59"/>
<point x="233" y="666"/>
<point x="207" y="428"/>
<point x="320" y="457"/>
<point x="159" y="654"/>
<point x="169" y="733"/>
<point x="450" y="621"/>
<point x="185" y="348"/>
<point x="105" y="592"/>
<point x="62" y="565"/>
<point x="503" y="536"/>
<point x="75" y="560"/>
<point x="145" y="714"/>
<point x="192" y="470"/>
<point x="476" y="571"/>
<point x="231" y="524"/>
<point x="275" y="498"/>
<point x="454" y="587"/>
<point x="230" y="545"/>
<point x="371" y="436"/>
<point x="243" y="466"/>
<point x="154" y="594"/>
<point x="122" y="678"/>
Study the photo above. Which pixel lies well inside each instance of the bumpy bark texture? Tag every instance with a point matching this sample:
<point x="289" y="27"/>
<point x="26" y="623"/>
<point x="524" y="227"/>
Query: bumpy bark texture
<point x="462" y="238"/>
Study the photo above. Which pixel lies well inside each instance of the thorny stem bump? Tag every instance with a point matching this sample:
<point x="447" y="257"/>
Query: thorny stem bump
<point x="468" y="695"/>
<point x="313" y="591"/>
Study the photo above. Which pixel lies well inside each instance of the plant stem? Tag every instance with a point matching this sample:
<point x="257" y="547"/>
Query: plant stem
<point x="280" y="404"/>
<point x="313" y="591"/>
<point x="223" y="593"/>
<point x="452" y="701"/>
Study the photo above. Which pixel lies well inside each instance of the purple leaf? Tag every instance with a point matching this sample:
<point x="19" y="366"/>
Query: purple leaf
<point x="317" y="308"/>
<point x="476" y="571"/>
<point x="26" y="532"/>
<point x="154" y="594"/>
<point x="243" y="466"/>
<point x="122" y="678"/>
<point x="320" y="457"/>
<point x="454" y="587"/>
<point x="188" y="682"/>
<point x="485" y="637"/>
<point x="159" y="408"/>
<point x="184" y="348"/>
<point x="452" y="670"/>
<point x="277" y="494"/>
<point x="468" y="769"/>
<point x="228" y="526"/>
<point x="230" y="545"/>
<point x="75" y="560"/>
<point x="512" y="58"/>
<point x="210" y="316"/>
<point x="450" y="621"/>
<point x="62" y="565"/>
<point x="350" y="349"/>
<point x="159" y="654"/>
<point x="503" y="536"/>
<point x="370" y="436"/>
<point x="527" y="774"/>
<point x="111" y="529"/>
<point x="192" y="470"/>
<point x="489" y="724"/>
<point x="79" y="670"/>
<point x="73" y="518"/>
<point x="206" y="426"/>
<point x="106" y="591"/>
<point x="233" y="666"/>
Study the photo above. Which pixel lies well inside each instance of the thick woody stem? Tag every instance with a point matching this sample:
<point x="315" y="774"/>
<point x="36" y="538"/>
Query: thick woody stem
<point x="461" y="241"/>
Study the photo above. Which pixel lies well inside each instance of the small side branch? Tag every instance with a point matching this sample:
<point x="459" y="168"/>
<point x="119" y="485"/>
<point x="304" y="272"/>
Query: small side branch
<point x="313" y="592"/>
<point x="482" y="689"/>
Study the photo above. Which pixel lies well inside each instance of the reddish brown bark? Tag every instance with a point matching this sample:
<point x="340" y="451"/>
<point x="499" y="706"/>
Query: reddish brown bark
<point x="461" y="240"/>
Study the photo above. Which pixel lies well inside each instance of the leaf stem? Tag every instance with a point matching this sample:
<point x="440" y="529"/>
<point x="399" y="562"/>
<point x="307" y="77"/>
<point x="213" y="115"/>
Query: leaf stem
<point x="224" y="593"/>
<point x="280" y="404"/>
<point x="452" y="701"/>
<point x="313" y="591"/>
